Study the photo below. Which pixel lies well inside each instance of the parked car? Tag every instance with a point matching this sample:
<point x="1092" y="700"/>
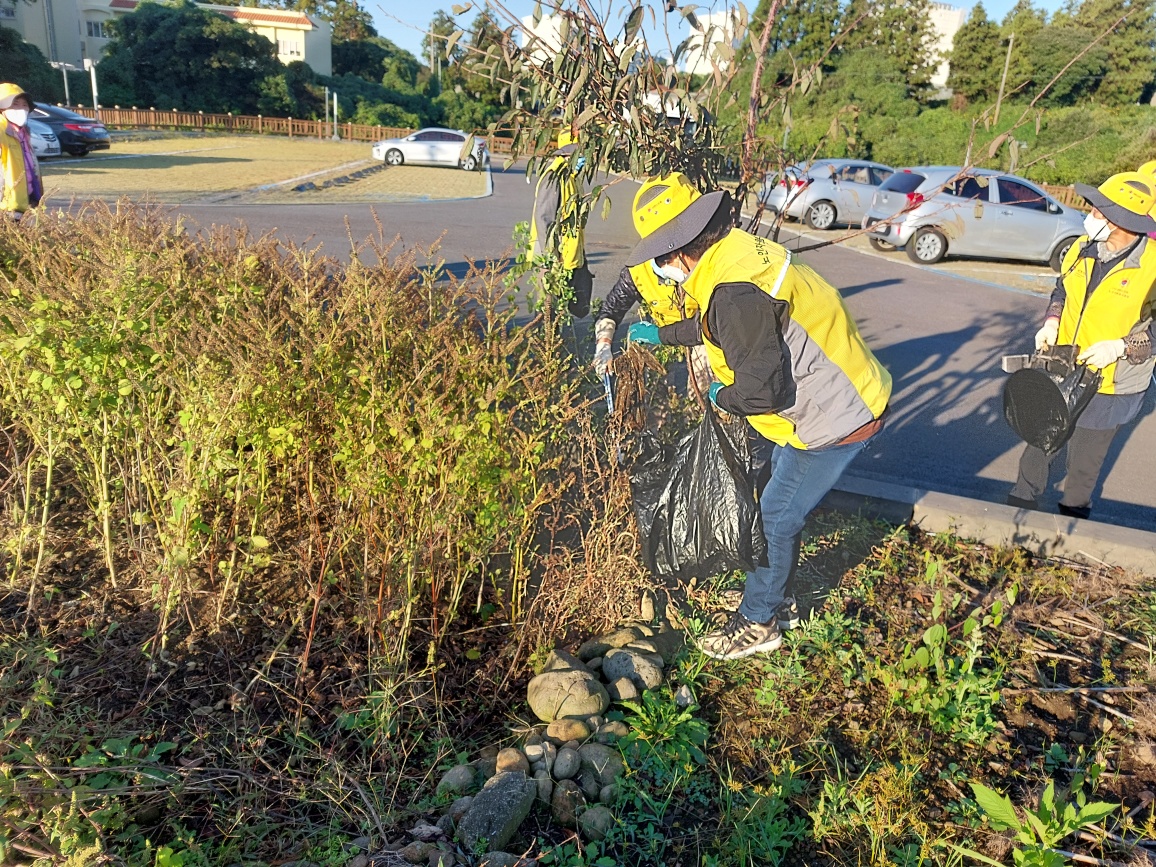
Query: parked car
<point x="78" y="134"/>
<point x="934" y="210"/>
<point x="434" y="146"/>
<point x="44" y="140"/>
<point x="825" y="192"/>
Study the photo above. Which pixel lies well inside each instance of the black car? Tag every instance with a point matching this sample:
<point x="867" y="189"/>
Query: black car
<point x="78" y="134"/>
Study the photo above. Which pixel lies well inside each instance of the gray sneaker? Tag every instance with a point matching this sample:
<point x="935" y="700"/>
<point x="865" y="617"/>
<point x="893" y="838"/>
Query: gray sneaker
<point x="740" y="638"/>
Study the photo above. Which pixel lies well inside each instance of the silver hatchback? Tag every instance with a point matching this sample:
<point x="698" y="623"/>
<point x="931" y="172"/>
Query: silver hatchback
<point x="825" y="192"/>
<point x="933" y="210"/>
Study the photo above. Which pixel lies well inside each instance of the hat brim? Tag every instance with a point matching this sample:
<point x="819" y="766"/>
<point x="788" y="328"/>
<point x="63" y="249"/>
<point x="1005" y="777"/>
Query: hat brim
<point x="8" y="104"/>
<point x="1130" y="221"/>
<point x="680" y="231"/>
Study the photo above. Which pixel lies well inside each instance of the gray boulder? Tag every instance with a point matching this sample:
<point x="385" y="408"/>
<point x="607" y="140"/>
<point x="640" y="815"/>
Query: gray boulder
<point x="417" y="852"/>
<point x="560" y="660"/>
<point x="564" y="803"/>
<point x="610" y="732"/>
<point x="622" y="689"/>
<point x="557" y="694"/>
<point x="459" y="808"/>
<point x="497" y="811"/>
<point x="596" y="822"/>
<point x="567" y="764"/>
<point x="458" y="780"/>
<point x="617" y="638"/>
<point x="647" y="609"/>
<point x="605" y="761"/>
<point x="608" y="794"/>
<point x="591" y="785"/>
<point x="667" y="643"/>
<point x="632" y="664"/>
<point x="545" y="786"/>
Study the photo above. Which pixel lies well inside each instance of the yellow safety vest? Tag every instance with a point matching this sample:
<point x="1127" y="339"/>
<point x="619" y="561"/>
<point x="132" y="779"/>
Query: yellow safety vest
<point x="1123" y="298"/>
<point x="571" y="244"/>
<point x="14" y="171"/>
<point x="839" y="384"/>
<point x="661" y="299"/>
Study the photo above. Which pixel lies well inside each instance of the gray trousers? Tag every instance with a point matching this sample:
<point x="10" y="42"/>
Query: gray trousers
<point x="1087" y="450"/>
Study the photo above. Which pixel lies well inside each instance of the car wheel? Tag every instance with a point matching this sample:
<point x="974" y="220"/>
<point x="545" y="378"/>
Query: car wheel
<point x="1057" y="260"/>
<point x="821" y="215"/>
<point x="393" y="157"/>
<point x="881" y="246"/>
<point x="927" y="247"/>
<point x="82" y="152"/>
<point x="470" y="163"/>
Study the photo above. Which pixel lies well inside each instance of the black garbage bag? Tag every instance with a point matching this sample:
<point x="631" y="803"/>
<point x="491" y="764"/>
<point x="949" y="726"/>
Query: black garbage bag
<point x="695" y="504"/>
<point x="1042" y="401"/>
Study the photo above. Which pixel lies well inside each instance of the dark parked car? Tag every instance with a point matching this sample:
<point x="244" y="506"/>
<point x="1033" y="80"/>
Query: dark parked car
<point x="78" y="134"/>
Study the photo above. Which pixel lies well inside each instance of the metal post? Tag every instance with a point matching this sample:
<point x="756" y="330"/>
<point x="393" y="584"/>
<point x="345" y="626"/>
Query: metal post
<point x="90" y="65"/>
<point x="336" y="137"/>
<point x="1003" y="79"/>
<point x="64" y="72"/>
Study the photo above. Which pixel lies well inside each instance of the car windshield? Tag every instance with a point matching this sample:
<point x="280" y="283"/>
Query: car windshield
<point x="903" y="182"/>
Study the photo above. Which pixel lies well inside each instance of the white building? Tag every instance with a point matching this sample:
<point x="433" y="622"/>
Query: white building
<point x="702" y="53"/>
<point x="945" y="23"/>
<point x="69" y="31"/>
<point x="547" y="34"/>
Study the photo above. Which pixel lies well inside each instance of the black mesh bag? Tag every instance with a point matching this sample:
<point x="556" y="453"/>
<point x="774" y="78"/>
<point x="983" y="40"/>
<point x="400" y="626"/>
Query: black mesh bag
<point x="695" y="504"/>
<point x="1042" y="401"/>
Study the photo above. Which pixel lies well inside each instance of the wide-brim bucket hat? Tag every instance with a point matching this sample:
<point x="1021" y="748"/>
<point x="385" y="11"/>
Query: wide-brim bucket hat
<point x="669" y="213"/>
<point x="1126" y="200"/>
<point x="9" y="92"/>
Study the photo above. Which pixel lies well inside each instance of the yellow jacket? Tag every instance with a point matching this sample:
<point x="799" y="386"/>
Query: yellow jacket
<point x="13" y="171"/>
<point x="555" y="199"/>
<point x="1122" y="301"/>
<point x="838" y="384"/>
<point x="661" y="298"/>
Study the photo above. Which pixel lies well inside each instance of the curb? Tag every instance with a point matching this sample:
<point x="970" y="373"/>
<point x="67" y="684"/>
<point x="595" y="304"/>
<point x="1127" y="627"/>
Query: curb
<point x="1040" y="533"/>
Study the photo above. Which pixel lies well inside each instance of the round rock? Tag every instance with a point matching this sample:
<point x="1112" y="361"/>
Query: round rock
<point x="555" y="695"/>
<point x="511" y="759"/>
<point x="565" y="730"/>
<point x="564" y="803"/>
<point x="622" y="689"/>
<point x="596" y="822"/>
<point x="632" y="664"/>
<point x="458" y="780"/>
<point x="567" y="764"/>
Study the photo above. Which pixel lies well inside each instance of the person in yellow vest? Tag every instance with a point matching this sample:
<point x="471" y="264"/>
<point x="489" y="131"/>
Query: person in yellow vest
<point x="665" y="303"/>
<point x="554" y="226"/>
<point x="20" y="184"/>
<point x="1103" y="305"/>
<point x="786" y="355"/>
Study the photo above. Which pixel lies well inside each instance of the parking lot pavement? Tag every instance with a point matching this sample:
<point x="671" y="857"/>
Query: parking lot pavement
<point x="380" y="184"/>
<point x="252" y="170"/>
<point x="1024" y="276"/>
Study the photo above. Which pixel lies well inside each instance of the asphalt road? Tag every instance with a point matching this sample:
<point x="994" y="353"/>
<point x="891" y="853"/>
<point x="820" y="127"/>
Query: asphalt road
<point x="940" y="336"/>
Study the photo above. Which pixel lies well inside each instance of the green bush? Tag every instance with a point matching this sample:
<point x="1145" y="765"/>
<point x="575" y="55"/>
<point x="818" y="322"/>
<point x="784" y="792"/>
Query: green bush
<point x="24" y="63"/>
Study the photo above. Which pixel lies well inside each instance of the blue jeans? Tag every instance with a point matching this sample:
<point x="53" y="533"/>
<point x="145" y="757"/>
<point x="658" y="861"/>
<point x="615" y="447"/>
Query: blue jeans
<point x="799" y="480"/>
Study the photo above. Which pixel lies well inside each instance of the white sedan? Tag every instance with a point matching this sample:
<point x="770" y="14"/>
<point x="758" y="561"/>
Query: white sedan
<point x="44" y="140"/>
<point x="434" y="146"/>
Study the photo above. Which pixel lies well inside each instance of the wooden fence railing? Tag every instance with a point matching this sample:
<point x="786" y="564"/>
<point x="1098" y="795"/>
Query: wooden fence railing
<point x="293" y="127"/>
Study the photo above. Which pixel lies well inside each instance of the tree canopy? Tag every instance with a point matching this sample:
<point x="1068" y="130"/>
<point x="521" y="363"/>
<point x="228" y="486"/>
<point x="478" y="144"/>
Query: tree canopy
<point x="976" y="58"/>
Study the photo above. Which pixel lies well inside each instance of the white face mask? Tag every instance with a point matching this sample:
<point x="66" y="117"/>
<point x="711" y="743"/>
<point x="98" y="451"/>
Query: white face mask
<point x="18" y="116"/>
<point x="669" y="272"/>
<point x="1097" y="228"/>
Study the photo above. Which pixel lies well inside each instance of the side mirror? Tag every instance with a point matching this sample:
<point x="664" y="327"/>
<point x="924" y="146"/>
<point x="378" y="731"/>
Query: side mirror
<point x="1053" y="208"/>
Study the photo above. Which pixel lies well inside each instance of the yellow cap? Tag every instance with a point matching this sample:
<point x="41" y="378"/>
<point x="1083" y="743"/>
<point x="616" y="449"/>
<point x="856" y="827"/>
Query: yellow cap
<point x="670" y="213"/>
<point x="1125" y="199"/>
<point x="566" y="137"/>
<point x="1149" y="168"/>
<point x="8" y="94"/>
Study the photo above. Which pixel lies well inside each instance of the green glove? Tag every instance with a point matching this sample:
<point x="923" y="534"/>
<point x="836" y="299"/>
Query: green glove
<point x="643" y="332"/>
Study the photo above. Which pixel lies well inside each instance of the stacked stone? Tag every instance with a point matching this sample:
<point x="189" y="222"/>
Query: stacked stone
<point x="570" y="763"/>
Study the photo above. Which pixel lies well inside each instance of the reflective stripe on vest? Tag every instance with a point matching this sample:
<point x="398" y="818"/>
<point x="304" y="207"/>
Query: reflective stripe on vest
<point x="839" y="384"/>
<point x="1123" y="298"/>
<point x="662" y="299"/>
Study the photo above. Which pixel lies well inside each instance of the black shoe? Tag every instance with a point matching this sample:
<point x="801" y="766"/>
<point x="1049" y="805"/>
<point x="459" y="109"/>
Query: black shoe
<point x="1083" y="512"/>
<point x="1020" y="503"/>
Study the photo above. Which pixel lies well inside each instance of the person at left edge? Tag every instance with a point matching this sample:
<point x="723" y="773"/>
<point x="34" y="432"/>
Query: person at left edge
<point x="20" y="184"/>
<point x="554" y="220"/>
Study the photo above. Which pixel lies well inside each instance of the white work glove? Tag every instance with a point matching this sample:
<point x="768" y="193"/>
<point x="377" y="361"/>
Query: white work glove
<point x="1047" y="335"/>
<point x="1100" y="355"/>
<point x="603" y="356"/>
